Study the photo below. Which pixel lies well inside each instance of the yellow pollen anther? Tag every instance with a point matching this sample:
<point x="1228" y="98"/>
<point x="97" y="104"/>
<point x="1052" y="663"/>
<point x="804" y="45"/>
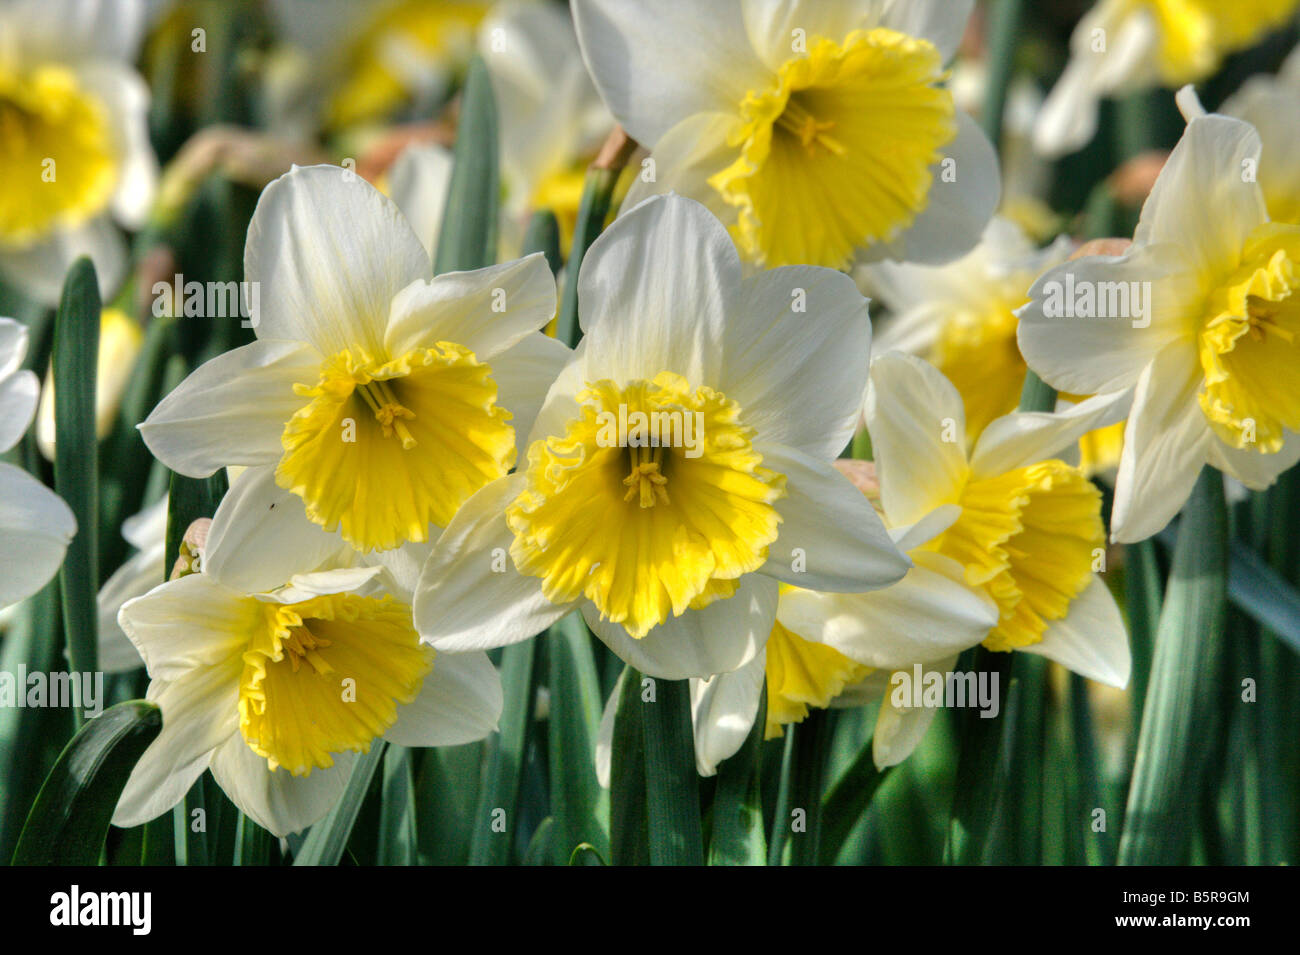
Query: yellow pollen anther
<point x="646" y="480"/>
<point x="388" y="411"/>
<point x="810" y="130"/>
<point x="301" y="644"/>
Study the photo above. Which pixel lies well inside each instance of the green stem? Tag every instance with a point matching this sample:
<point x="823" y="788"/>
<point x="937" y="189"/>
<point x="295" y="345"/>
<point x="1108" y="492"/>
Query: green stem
<point x="672" y="786"/>
<point x="1002" y="38"/>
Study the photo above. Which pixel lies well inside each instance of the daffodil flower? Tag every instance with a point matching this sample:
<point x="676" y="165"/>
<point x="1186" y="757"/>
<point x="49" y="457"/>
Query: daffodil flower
<point x="818" y="131"/>
<point x="1213" y="357"/>
<point x="670" y="542"/>
<point x="74" y="143"/>
<point x="277" y="663"/>
<point x="1123" y="46"/>
<point x="380" y="398"/>
<point x="1268" y="104"/>
<point x="35" y="525"/>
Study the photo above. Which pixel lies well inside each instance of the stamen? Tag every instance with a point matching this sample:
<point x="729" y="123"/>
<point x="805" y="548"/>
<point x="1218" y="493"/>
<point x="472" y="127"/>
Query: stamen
<point x="646" y="480"/>
<point x="388" y="411"/>
<point x="811" y="131"/>
<point x="301" y="644"/>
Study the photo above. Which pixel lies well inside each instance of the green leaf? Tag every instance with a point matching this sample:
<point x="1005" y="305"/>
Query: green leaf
<point x="1003" y="34"/>
<point x="586" y="854"/>
<point x="593" y="209"/>
<point x="397" y="841"/>
<point x="469" y="225"/>
<point x="543" y="235"/>
<point x="539" y="847"/>
<point x="737" y="836"/>
<point x="580" y="806"/>
<point x="629" y="839"/>
<point x="983" y="763"/>
<point x="253" y="844"/>
<point x="505" y="758"/>
<point x="846" y="801"/>
<point x="1263" y="594"/>
<point x="327" y="839"/>
<point x="672" y="786"/>
<point x="70" y="818"/>
<point x="191" y="845"/>
<point x="76" y="460"/>
<point x="1186" y="676"/>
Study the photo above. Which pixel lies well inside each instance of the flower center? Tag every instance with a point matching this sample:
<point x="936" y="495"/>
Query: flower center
<point x="597" y="518"/>
<point x="1250" y="344"/>
<point x="57" y="158"/>
<point x="837" y="153"/>
<point x="346" y="451"/>
<point x="326" y="675"/>
<point x="1031" y="538"/>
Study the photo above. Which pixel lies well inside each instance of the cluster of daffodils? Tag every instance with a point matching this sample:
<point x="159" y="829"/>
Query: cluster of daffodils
<point x="419" y="474"/>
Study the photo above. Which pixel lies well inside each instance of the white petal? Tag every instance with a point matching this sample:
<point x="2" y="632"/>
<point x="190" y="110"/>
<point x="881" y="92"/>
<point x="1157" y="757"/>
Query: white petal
<point x="35" y="530"/>
<point x="418" y="183"/>
<point x="19" y="394"/>
<point x="39" y="270"/>
<point x="126" y="98"/>
<point x="524" y="374"/>
<point x="724" y="636"/>
<point x="321" y="583"/>
<point x="460" y="702"/>
<point x="900" y="730"/>
<point x="277" y="801"/>
<point x="13" y="346"/>
<point x="927" y="616"/>
<point x="657" y="64"/>
<point x="957" y="211"/>
<point x="656" y="291"/>
<point x="148" y="528"/>
<point x="685" y="157"/>
<point x="1091" y="640"/>
<point x="135" y="578"/>
<point x="329" y="253"/>
<point x="799" y="376"/>
<point x="911" y="410"/>
<point x="191" y="623"/>
<point x="830" y="538"/>
<point x="1087" y="354"/>
<point x="1166" y="442"/>
<point x="260" y="536"/>
<point x="81" y="29"/>
<point x="908" y="537"/>
<point x="604" y="752"/>
<point x="771" y="24"/>
<point x="942" y="22"/>
<point x="231" y="410"/>
<point x="1256" y="471"/>
<point x="486" y="310"/>
<point x="470" y="595"/>
<point x="200" y="712"/>
<point x="1202" y="200"/>
<point x="723" y="710"/>
<point x="1022" y="438"/>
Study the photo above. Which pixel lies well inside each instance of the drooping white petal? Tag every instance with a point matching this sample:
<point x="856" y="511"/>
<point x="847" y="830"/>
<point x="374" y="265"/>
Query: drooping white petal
<point x="657" y="64"/>
<point x="460" y="702"/>
<point x="1203" y="201"/>
<point x="1256" y="471"/>
<point x="830" y="537"/>
<point x="1022" y="438"/>
<point x="200" y="711"/>
<point x="796" y="357"/>
<point x="723" y="710"/>
<point x="1166" y="442"/>
<point x="927" y="616"/>
<point x="277" y="801"/>
<point x="656" y="293"/>
<point x="964" y="194"/>
<point x="36" y="527"/>
<point x="329" y="253"/>
<point x="1091" y="640"/>
<point x="917" y="423"/>
<point x="486" y="310"/>
<point x="604" y="748"/>
<point x="722" y="637"/>
<point x="260" y="536"/>
<point x="231" y="410"/>
<point x="470" y="596"/>
<point x="899" y="730"/>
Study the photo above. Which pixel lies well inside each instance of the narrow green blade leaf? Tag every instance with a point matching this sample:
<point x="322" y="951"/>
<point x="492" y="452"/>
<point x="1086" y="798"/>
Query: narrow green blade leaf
<point x="397" y="844"/>
<point x="491" y="843"/>
<point x="585" y="854"/>
<point x="327" y="839"/>
<point x="72" y="812"/>
<point x="737" y="837"/>
<point x="1186" y="675"/>
<point x="846" y="801"/>
<point x="543" y="235"/>
<point x="629" y="839"/>
<point x="580" y="806"/>
<point x="76" y="460"/>
<point x="539" y="847"/>
<point x="469" y="226"/>
<point x="672" y="786"/>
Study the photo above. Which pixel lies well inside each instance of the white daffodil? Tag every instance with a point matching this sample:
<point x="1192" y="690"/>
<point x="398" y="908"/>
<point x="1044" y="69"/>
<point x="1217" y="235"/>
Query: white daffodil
<point x="1268" y="103"/>
<point x="120" y="339"/>
<point x="1198" y="315"/>
<point x="1024" y="525"/>
<point x="418" y="183"/>
<point x="818" y="130"/>
<point x="551" y="117"/>
<point x="381" y="398"/>
<point x="1123" y="46"/>
<point x="74" y="143"/>
<point x="274" y="666"/>
<point x="681" y="465"/>
<point x="35" y="525"/>
<point x="961" y="317"/>
<point x="141" y="573"/>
